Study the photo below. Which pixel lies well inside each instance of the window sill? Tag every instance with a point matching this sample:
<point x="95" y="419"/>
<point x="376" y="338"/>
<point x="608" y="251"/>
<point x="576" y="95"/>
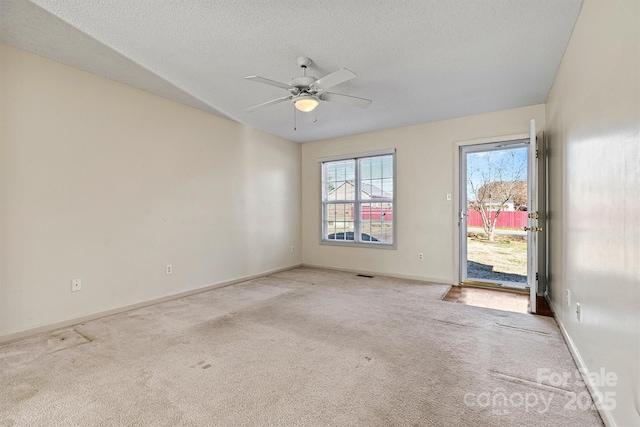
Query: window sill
<point x="350" y="244"/>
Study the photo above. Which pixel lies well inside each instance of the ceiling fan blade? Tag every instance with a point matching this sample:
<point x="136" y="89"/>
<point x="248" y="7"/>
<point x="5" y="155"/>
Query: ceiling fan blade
<point x="333" y="79"/>
<point x="354" y="101"/>
<point x="267" y="104"/>
<point x="269" y="82"/>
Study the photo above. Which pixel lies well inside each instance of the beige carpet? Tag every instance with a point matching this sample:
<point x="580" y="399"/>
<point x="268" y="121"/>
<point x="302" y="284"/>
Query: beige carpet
<point x="305" y="347"/>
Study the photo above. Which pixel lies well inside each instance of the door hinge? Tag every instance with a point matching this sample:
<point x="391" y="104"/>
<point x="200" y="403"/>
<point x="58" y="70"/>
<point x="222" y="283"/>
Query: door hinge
<point x="537" y="277"/>
<point x="536" y="154"/>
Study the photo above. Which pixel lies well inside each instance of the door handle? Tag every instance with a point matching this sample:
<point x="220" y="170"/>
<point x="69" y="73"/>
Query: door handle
<point x="532" y="228"/>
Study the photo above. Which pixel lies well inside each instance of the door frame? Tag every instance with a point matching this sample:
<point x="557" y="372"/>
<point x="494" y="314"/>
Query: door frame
<point x="456" y="189"/>
<point x="533" y="196"/>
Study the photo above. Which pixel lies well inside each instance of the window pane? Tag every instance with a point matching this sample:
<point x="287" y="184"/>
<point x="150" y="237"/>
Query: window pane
<point x="374" y="178"/>
<point x="339" y="180"/>
<point x="387" y="166"/>
<point x="365" y="189"/>
<point x="343" y="170"/>
<point x="365" y="168"/>
<point x="376" y="188"/>
<point x="387" y="187"/>
<point x="370" y="167"/>
<point x="339" y="221"/>
<point x="377" y="222"/>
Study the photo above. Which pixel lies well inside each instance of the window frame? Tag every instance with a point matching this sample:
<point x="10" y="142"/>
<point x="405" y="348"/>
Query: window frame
<point x="357" y="202"/>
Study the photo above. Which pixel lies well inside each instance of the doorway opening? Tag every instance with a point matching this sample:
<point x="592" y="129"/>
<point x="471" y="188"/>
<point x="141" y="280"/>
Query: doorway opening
<point x="494" y="208"/>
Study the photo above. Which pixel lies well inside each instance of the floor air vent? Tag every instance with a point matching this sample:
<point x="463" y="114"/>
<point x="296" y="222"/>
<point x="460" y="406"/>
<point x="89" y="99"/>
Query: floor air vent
<point x="364" y="275"/>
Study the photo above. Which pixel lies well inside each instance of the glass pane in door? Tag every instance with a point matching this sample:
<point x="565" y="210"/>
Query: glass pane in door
<point x="496" y="211"/>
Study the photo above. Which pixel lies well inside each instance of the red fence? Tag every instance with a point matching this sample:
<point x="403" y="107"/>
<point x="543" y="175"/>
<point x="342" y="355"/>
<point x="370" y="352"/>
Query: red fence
<point x="508" y="219"/>
<point x="385" y="214"/>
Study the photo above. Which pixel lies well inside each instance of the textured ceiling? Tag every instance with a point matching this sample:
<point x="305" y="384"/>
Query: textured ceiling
<point x="419" y="60"/>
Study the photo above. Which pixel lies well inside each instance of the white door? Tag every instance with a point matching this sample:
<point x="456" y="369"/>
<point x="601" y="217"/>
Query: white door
<point x="473" y="267"/>
<point x="532" y="222"/>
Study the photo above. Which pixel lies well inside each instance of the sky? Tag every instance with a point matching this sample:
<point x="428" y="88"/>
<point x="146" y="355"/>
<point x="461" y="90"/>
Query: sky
<point x="509" y="164"/>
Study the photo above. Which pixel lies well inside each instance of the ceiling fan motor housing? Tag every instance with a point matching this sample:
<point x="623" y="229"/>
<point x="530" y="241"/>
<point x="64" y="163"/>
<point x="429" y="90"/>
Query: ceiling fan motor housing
<point x="302" y="82"/>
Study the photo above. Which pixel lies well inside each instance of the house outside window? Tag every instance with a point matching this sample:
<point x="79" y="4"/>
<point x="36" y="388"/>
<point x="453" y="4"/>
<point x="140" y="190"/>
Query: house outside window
<point x="358" y="200"/>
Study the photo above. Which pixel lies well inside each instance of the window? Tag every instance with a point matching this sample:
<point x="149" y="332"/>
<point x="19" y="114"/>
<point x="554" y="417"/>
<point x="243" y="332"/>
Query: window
<point x="358" y="198"/>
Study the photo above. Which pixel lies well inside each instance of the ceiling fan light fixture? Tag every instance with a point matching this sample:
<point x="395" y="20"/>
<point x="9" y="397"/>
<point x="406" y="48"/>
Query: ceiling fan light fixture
<point x="306" y="103"/>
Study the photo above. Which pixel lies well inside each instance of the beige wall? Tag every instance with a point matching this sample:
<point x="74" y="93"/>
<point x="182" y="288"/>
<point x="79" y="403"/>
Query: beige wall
<point x="593" y="116"/>
<point x="426" y="172"/>
<point x="106" y="183"/>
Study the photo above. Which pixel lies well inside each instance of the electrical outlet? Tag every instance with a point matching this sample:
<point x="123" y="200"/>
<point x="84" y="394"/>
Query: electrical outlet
<point x="293" y="249"/>
<point x="420" y="256"/>
<point x="568" y="298"/>
<point x="578" y="312"/>
<point x="168" y="269"/>
<point x="449" y="196"/>
<point x="76" y="285"/>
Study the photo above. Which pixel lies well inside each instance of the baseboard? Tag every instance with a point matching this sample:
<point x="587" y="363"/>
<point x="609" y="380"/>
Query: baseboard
<point x="70" y="322"/>
<point x="377" y="273"/>
<point x="593" y="390"/>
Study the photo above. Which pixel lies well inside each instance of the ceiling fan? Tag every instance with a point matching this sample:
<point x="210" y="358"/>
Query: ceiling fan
<point x="306" y="92"/>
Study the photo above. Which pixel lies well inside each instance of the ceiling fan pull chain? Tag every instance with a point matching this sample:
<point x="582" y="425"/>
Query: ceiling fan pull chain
<point x="294" y="118"/>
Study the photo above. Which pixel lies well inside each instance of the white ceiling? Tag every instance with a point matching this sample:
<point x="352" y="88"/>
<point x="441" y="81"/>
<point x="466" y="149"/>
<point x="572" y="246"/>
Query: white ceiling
<point x="419" y="60"/>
